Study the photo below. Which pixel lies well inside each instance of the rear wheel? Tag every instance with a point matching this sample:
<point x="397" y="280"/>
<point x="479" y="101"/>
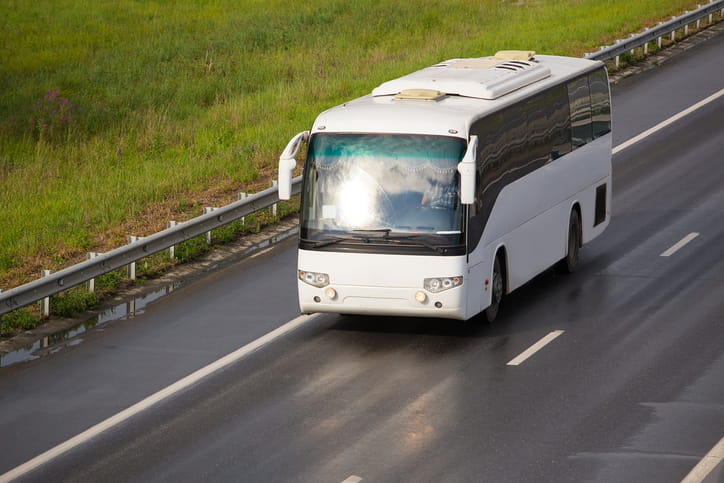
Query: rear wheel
<point x="496" y="295"/>
<point x="570" y="263"/>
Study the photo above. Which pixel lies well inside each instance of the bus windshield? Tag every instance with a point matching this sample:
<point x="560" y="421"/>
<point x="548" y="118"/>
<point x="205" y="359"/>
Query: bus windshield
<point x="387" y="183"/>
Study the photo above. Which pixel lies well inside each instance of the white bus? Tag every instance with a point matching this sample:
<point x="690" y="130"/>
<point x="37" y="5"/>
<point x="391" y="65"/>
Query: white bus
<point x="445" y="189"/>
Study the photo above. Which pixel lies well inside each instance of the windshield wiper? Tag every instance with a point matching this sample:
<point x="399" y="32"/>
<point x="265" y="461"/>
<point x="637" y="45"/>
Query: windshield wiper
<point x="326" y="241"/>
<point x="385" y="232"/>
<point x="338" y="239"/>
<point x="415" y="240"/>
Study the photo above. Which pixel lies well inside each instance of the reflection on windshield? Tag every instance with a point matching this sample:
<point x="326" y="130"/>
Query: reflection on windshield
<point x="403" y="183"/>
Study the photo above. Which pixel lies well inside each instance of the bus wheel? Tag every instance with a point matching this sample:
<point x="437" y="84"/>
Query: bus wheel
<point x="570" y="263"/>
<point x="491" y="313"/>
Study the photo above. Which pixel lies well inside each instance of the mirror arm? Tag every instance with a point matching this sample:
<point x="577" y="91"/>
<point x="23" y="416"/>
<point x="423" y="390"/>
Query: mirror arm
<point x="287" y="163"/>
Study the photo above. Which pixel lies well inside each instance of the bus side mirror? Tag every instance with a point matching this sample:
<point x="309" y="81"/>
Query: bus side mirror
<point x="466" y="168"/>
<point x="287" y="163"/>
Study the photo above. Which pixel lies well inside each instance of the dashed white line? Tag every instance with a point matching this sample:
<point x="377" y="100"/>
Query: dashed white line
<point x="679" y="245"/>
<point x="153" y="399"/>
<point x="353" y="479"/>
<point x="527" y="354"/>
<point x="707" y="464"/>
<point x="667" y="122"/>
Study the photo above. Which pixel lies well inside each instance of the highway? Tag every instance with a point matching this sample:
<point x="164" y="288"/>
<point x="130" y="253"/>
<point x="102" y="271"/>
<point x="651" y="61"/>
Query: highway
<point x="628" y="388"/>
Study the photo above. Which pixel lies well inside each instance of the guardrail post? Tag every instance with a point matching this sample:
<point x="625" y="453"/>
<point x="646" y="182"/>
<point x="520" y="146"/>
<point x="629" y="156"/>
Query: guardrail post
<point x="208" y="209"/>
<point x="274" y="184"/>
<point x="243" y="196"/>
<point x="91" y="284"/>
<point x="132" y="265"/>
<point x="172" y="248"/>
<point x="45" y="303"/>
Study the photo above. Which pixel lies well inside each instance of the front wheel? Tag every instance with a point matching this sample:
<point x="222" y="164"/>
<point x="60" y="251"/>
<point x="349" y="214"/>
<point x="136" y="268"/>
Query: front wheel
<point x="491" y="313"/>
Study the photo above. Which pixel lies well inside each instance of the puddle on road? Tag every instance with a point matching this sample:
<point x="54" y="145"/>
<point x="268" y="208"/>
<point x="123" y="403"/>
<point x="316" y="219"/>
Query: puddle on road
<point x="68" y="338"/>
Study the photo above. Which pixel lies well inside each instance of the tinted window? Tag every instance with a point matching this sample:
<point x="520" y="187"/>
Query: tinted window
<point x="512" y="143"/>
<point x="600" y="102"/>
<point x="548" y="133"/>
<point x="580" y="101"/>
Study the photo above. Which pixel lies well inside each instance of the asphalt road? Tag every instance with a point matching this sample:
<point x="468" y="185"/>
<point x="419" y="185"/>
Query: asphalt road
<point x="631" y="391"/>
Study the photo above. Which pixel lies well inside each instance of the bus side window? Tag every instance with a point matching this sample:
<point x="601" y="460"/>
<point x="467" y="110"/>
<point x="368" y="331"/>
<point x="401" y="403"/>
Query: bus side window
<point x="580" y="102"/>
<point x="600" y="103"/>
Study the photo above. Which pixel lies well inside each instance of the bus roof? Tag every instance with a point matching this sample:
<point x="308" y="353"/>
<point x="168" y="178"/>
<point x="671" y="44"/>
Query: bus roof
<point x="444" y="99"/>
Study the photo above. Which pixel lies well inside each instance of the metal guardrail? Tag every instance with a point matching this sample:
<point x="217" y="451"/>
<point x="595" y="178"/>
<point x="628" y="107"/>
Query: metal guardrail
<point x="124" y="256"/>
<point x="663" y="29"/>
<point x="105" y="262"/>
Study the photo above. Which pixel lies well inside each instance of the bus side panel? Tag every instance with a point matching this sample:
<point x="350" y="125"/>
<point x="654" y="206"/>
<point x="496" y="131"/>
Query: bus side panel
<point x="531" y="215"/>
<point x="599" y="149"/>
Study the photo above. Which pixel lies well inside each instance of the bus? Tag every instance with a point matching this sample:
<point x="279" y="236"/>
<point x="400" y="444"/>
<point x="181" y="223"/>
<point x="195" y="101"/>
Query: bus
<point x="444" y="190"/>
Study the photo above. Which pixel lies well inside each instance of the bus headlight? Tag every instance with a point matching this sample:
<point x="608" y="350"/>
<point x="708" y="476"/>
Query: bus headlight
<point x="314" y="278"/>
<point x="440" y="284"/>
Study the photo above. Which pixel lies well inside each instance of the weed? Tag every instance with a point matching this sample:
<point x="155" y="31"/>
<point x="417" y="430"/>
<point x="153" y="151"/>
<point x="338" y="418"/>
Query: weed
<point x="110" y="282"/>
<point x="73" y="302"/>
<point x="153" y="265"/>
<point x="19" y="319"/>
<point x="53" y="117"/>
<point x="228" y="232"/>
<point x="191" y="249"/>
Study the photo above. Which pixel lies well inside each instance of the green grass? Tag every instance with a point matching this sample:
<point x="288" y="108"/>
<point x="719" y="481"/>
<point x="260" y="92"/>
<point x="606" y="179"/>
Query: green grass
<point x="168" y="98"/>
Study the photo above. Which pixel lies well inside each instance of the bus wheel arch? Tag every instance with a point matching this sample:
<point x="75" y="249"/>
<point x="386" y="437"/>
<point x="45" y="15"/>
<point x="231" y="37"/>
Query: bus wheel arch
<point x="498" y="285"/>
<point x="574" y="240"/>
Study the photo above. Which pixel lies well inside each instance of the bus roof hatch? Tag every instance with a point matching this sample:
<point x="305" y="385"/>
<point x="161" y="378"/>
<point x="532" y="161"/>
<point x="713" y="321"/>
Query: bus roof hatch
<point x="482" y="78"/>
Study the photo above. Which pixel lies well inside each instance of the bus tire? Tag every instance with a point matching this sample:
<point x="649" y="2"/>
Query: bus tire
<point x="570" y="262"/>
<point x="497" y="290"/>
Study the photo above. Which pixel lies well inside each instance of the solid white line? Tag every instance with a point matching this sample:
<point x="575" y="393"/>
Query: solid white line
<point x="153" y="399"/>
<point x="535" y="348"/>
<point x="667" y="122"/>
<point x="707" y="464"/>
<point x="679" y="245"/>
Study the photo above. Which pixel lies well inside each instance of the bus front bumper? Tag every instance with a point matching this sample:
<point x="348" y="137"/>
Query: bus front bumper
<point x="361" y="300"/>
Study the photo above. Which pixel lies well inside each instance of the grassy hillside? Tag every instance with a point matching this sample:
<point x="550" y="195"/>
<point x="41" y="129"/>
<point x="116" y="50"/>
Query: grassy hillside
<point x="126" y="112"/>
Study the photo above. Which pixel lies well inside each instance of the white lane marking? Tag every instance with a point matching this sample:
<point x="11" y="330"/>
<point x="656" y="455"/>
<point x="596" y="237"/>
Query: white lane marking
<point x="535" y="348"/>
<point x="679" y="245"/>
<point x="669" y="121"/>
<point x="707" y="464"/>
<point x="353" y="479"/>
<point x="153" y="399"/>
